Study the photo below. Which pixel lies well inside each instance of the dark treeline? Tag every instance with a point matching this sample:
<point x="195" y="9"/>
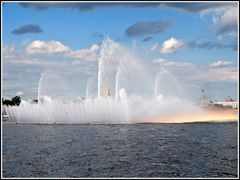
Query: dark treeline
<point x="15" y="101"/>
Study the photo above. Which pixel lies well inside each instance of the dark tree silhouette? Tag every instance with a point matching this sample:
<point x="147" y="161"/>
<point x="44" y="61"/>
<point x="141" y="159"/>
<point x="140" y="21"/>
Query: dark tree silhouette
<point x="15" y="101"/>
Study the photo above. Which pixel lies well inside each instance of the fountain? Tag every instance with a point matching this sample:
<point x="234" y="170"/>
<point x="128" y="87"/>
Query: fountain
<point x="133" y="95"/>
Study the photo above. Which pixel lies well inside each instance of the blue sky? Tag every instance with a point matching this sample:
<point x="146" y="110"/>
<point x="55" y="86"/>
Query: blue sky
<point x="203" y="35"/>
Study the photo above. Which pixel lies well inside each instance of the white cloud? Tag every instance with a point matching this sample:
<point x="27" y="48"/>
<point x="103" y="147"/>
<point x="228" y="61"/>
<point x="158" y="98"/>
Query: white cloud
<point x="88" y="54"/>
<point x="217" y="71"/>
<point x="224" y="18"/>
<point x="46" y="47"/>
<point x="20" y="93"/>
<point x="164" y="62"/>
<point x="56" y="47"/>
<point x="11" y="55"/>
<point x="215" y="12"/>
<point x="220" y="64"/>
<point x="228" y="21"/>
<point x="10" y="52"/>
<point x="226" y="74"/>
<point x="25" y="42"/>
<point x="171" y="45"/>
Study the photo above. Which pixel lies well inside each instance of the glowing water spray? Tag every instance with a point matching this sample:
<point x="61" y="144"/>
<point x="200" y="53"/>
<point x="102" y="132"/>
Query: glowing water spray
<point x="126" y="105"/>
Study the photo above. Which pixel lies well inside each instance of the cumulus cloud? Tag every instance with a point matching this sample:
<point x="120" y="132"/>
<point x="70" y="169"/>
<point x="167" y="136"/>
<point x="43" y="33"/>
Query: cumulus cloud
<point x="21" y="70"/>
<point x="228" y="21"/>
<point x="161" y="61"/>
<point x="147" y="27"/>
<point x="220" y="74"/>
<point x="11" y="53"/>
<point x="46" y="47"/>
<point x="38" y="47"/>
<point x="171" y="45"/>
<point x="89" y="54"/>
<point x="164" y="62"/>
<point x="218" y="71"/>
<point x="220" y="64"/>
<point x="29" y="28"/>
<point x="224" y="18"/>
<point x="14" y="56"/>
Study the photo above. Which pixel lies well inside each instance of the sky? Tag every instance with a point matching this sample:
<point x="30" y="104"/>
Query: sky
<point x="196" y="41"/>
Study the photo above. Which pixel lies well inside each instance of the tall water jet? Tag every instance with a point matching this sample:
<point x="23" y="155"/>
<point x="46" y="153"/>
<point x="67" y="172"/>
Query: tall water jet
<point x="156" y="85"/>
<point x="117" y="83"/>
<point x="124" y="100"/>
<point x="87" y="95"/>
<point x="166" y="84"/>
<point x="100" y="71"/>
<point x="39" y="87"/>
<point x="121" y="70"/>
<point x="106" y="62"/>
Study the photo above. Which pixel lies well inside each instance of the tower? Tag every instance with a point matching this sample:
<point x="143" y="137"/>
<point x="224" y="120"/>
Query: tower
<point x="203" y="98"/>
<point x="106" y="90"/>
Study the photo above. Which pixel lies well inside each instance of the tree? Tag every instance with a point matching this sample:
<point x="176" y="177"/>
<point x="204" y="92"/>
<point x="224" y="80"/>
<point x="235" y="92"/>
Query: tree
<point x="7" y="102"/>
<point x="16" y="100"/>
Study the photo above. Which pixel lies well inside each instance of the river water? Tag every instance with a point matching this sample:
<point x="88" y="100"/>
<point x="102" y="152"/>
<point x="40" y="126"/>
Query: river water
<point x="140" y="150"/>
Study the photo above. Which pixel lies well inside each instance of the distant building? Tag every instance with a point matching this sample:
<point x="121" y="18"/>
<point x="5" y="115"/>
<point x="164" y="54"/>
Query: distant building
<point x="208" y="104"/>
<point x="229" y="102"/>
<point x="106" y="90"/>
<point x="205" y="103"/>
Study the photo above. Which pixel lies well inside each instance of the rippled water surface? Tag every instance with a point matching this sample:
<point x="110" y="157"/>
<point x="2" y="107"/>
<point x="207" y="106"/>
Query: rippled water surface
<point x="141" y="150"/>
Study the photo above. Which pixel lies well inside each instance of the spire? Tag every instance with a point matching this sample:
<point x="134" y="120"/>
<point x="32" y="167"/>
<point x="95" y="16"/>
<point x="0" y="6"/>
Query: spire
<point x="106" y="90"/>
<point x="203" y="95"/>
